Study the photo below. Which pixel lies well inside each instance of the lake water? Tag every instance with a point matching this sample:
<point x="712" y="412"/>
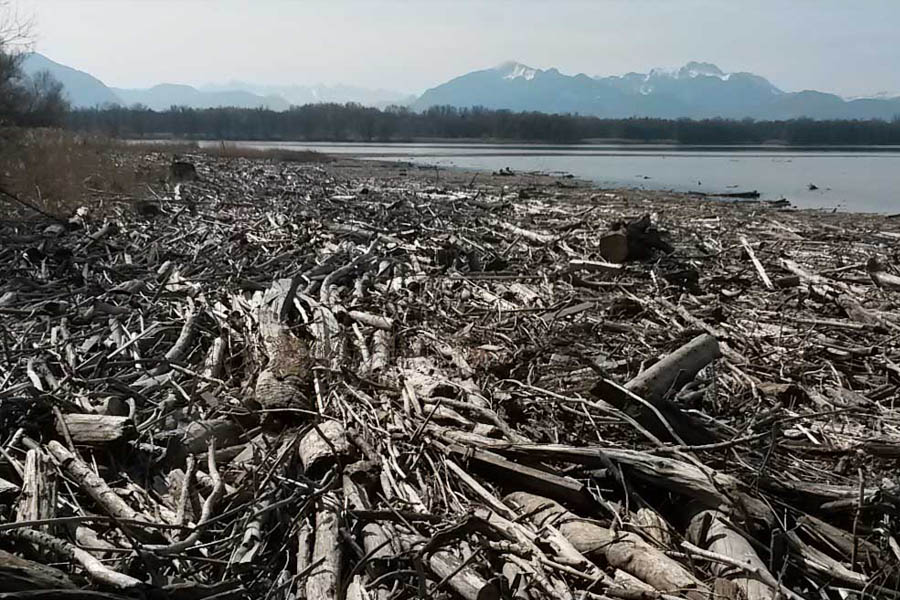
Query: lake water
<point x="865" y="179"/>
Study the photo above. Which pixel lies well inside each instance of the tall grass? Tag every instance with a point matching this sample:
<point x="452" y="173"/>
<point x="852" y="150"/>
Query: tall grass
<point x="223" y="149"/>
<point x="58" y="171"/>
<point x="231" y="150"/>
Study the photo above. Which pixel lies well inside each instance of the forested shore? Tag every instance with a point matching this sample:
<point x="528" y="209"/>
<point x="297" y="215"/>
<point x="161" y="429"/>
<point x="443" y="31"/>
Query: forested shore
<point x="356" y="123"/>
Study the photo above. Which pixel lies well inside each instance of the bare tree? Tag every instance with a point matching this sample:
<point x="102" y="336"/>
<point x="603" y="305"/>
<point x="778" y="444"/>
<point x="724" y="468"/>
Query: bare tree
<point x="43" y="102"/>
<point x="16" y="29"/>
<point x="29" y="101"/>
<point x="15" y="35"/>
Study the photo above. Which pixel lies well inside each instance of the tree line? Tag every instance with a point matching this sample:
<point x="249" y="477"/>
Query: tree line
<point x="355" y="123"/>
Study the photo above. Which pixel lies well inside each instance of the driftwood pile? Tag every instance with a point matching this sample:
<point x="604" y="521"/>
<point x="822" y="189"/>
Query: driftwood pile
<point x="299" y="381"/>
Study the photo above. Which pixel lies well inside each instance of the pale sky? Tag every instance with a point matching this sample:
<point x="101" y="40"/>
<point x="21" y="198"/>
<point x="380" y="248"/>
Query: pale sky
<point x="849" y="47"/>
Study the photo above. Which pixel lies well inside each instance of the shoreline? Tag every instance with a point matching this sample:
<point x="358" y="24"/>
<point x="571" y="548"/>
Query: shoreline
<point x="862" y="184"/>
<point x="462" y="175"/>
<point x="774" y="145"/>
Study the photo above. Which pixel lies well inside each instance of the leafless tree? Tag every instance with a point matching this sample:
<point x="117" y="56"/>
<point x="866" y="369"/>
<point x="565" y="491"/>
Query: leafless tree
<point x="15" y="34"/>
<point x="33" y="101"/>
<point x="16" y="29"/>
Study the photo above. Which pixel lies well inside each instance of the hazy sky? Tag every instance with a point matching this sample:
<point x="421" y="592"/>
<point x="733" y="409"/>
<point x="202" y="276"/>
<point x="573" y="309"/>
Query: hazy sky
<point x="845" y="46"/>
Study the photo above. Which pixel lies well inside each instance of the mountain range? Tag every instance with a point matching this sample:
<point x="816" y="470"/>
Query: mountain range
<point x="166" y="95"/>
<point x="299" y="95"/>
<point x="696" y="90"/>
<point x="85" y="91"/>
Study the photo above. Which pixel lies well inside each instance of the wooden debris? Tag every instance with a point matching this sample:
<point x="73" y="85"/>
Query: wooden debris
<point x="325" y="579"/>
<point x="645" y="396"/>
<point x="621" y="550"/>
<point x="635" y="240"/>
<point x="709" y="529"/>
<point x="756" y="264"/>
<point x="297" y="390"/>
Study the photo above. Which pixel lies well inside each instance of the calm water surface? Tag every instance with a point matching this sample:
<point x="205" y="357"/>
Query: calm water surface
<point x="865" y="179"/>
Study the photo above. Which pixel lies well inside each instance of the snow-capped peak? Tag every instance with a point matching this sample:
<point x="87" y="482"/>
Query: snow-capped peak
<point x="882" y="95"/>
<point x="515" y="70"/>
<point x="695" y="69"/>
<point x="691" y="70"/>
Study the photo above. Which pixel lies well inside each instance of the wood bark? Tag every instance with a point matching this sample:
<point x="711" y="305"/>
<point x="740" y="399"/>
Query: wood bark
<point x="283" y="382"/>
<point x="322" y="446"/>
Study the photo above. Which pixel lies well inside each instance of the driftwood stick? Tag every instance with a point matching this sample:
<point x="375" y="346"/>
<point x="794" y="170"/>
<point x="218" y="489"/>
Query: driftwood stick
<point x="645" y="396"/>
<point x="676" y="369"/>
<point x="758" y="265"/>
<point x="205" y="513"/>
<point x="66" y="551"/>
<point x="181" y="346"/>
<point x="460" y="577"/>
<point x="376" y="321"/>
<point x="95" y="429"/>
<point x="94" y="485"/>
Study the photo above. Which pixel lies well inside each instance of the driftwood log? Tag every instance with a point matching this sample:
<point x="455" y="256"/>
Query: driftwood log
<point x="709" y="529"/>
<point x="622" y="550"/>
<point x="646" y="397"/>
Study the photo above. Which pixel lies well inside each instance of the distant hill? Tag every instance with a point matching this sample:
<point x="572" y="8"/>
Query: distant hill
<point x="299" y="95"/>
<point x="85" y="91"/>
<point x="696" y="90"/>
<point x="166" y="95"/>
<point x="82" y="89"/>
